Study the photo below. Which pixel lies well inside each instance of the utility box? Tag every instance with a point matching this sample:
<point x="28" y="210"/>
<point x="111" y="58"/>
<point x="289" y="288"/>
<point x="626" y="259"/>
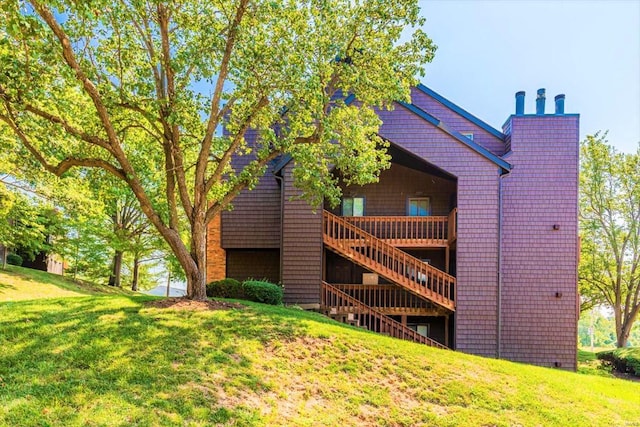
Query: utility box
<point x="369" y="279"/>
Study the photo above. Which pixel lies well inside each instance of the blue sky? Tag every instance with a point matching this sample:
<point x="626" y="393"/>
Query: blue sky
<point x="588" y="50"/>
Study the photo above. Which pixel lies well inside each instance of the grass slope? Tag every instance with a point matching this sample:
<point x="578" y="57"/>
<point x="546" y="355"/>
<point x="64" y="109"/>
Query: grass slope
<point x="18" y="283"/>
<point x="114" y="360"/>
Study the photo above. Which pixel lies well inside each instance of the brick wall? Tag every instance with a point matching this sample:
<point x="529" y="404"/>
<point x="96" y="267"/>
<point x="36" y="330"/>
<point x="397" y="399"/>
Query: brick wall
<point x="537" y="261"/>
<point x="477" y="246"/>
<point x="216" y="257"/>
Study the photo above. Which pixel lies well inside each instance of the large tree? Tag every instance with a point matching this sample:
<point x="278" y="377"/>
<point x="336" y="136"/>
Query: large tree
<point x="610" y="231"/>
<point x="141" y="90"/>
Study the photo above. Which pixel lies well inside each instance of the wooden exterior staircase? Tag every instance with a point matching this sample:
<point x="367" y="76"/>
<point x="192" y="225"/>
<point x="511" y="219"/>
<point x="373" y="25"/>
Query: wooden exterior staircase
<point x="395" y="265"/>
<point x="340" y="306"/>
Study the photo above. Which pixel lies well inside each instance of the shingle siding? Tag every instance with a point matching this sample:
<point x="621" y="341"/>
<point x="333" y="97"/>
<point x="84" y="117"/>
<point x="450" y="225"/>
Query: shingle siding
<point x="301" y="246"/>
<point x="254" y="221"/>
<point x="541" y="191"/>
<point x="537" y="262"/>
<point x="396" y="185"/>
<point x="456" y="122"/>
<point x="477" y="246"/>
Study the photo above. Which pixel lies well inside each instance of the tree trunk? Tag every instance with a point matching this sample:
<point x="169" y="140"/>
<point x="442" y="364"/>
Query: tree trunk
<point x="623" y="333"/>
<point x="116" y="271"/>
<point x="136" y="269"/>
<point x="196" y="276"/>
<point x="4" y="257"/>
<point x="622" y="338"/>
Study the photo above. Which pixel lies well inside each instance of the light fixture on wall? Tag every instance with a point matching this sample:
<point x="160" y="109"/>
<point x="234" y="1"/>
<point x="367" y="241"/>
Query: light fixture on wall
<point x="556" y="227"/>
<point x="558" y="294"/>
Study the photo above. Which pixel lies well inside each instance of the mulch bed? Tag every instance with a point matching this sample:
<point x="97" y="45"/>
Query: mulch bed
<point x="187" y="304"/>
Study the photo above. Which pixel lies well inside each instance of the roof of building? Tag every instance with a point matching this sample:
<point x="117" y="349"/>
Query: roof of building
<point x="458" y="110"/>
<point x="506" y="166"/>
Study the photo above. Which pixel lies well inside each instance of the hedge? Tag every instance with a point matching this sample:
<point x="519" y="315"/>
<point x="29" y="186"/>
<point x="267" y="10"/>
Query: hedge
<point x="225" y="288"/>
<point x="626" y="360"/>
<point x="260" y="291"/>
<point x="14" y="259"/>
<point x="251" y="290"/>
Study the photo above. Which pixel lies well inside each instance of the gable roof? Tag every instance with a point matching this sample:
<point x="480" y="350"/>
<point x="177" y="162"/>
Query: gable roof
<point x="437" y="123"/>
<point x="460" y="111"/>
<point x="506" y="166"/>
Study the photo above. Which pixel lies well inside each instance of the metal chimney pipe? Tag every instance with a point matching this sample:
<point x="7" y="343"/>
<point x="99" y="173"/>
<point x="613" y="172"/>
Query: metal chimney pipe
<point x="540" y="101"/>
<point x="560" y="103"/>
<point x="520" y="103"/>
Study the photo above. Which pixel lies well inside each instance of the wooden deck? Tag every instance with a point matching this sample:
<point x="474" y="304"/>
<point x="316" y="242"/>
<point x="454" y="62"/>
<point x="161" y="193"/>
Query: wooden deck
<point x="410" y="231"/>
<point x="396" y="266"/>
<point x="391" y="300"/>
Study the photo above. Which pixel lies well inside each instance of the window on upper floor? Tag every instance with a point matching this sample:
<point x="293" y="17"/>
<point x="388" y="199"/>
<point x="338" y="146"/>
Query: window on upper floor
<point x="419" y="206"/>
<point x="353" y="206"/>
<point x="467" y="134"/>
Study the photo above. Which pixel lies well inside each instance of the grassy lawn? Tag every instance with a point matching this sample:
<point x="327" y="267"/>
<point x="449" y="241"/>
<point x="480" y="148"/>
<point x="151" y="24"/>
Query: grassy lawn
<point x="114" y="360"/>
<point x="17" y="283"/>
<point x="589" y="364"/>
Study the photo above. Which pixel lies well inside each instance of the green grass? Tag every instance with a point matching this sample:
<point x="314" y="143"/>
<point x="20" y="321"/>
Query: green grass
<point x="18" y="283"/>
<point x="113" y="360"/>
<point x="589" y="364"/>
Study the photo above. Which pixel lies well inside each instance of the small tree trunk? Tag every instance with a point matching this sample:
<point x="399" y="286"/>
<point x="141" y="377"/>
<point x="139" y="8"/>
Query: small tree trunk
<point x="4" y="257"/>
<point x="114" y="278"/>
<point x="623" y="338"/>
<point x="625" y="330"/>
<point x="168" y="283"/>
<point x="136" y="269"/>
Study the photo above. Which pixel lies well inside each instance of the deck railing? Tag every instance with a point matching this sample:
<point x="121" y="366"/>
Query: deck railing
<point x="452" y="222"/>
<point x="389" y="299"/>
<point x="391" y="263"/>
<point x="370" y="318"/>
<point x="406" y="231"/>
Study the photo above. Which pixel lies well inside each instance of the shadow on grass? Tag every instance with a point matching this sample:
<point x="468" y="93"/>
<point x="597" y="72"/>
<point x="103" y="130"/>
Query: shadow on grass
<point x="153" y="366"/>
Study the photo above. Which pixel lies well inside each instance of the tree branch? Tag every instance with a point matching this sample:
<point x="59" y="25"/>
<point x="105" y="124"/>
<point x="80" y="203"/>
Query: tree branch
<point x="226" y="157"/>
<point x="214" y="116"/>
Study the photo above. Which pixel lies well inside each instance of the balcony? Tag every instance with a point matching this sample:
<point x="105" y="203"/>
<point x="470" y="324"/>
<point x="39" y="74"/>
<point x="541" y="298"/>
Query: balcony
<point x="390" y="300"/>
<point x="410" y="231"/>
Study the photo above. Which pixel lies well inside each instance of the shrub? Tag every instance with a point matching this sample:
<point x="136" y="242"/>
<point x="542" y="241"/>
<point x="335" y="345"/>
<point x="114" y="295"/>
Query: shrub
<point x="262" y="291"/>
<point x="14" y="259"/>
<point x="626" y="360"/>
<point x="225" y="288"/>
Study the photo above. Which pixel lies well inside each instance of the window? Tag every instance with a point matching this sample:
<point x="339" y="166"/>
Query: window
<point x="420" y="206"/>
<point x="353" y="206"/>
<point x="467" y="134"/>
<point x="421" y="328"/>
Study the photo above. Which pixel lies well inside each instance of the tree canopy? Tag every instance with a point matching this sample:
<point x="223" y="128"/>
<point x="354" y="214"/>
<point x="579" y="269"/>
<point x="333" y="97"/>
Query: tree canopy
<point x="609" y="270"/>
<point x="141" y="89"/>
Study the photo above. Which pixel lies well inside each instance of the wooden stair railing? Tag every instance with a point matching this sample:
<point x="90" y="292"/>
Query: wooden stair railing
<point x="370" y="318"/>
<point x="388" y="261"/>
